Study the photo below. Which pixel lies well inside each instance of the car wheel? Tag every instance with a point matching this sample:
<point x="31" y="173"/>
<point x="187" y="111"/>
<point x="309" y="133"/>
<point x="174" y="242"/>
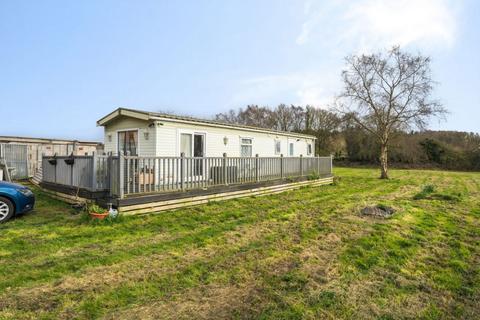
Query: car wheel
<point x="6" y="209"/>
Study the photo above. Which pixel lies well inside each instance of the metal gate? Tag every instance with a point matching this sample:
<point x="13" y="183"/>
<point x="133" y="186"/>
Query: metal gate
<point x="16" y="156"/>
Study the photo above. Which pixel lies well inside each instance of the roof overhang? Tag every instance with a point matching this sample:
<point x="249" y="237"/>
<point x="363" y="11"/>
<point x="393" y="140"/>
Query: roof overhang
<point x="147" y="116"/>
<point x="123" y="112"/>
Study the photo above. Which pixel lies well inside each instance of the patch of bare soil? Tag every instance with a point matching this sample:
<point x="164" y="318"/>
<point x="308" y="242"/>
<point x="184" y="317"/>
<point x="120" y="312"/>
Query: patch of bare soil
<point x="378" y="211"/>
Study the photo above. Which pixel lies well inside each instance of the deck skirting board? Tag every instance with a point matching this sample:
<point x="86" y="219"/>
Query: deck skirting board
<point x="197" y="200"/>
<point x="64" y="197"/>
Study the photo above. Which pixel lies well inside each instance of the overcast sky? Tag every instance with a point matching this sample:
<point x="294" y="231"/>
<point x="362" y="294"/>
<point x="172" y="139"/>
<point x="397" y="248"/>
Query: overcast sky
<point x="65" y="64"/>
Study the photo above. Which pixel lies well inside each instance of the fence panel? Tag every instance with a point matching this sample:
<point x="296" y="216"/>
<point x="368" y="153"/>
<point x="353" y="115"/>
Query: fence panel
<point x="89" y="172"/>
<point x="16" y="156"/>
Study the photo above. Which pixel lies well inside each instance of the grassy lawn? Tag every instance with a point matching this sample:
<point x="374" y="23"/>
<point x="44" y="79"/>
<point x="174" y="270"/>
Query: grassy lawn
<point x="301" y="254"/>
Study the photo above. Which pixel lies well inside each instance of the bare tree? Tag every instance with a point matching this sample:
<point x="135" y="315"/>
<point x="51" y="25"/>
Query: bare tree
<point x="388" y="92"/>
<point x="298" y="118"/>
<point x="283" y="117"/>
<point x="230" y="116"/>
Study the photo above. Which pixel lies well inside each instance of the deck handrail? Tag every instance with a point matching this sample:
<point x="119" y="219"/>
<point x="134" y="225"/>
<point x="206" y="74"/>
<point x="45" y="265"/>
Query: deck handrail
<point x="126" y="175"/>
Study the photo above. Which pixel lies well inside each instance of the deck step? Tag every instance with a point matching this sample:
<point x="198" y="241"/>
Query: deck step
<point x="153" y="207"/>
<point x="37" y="177"/>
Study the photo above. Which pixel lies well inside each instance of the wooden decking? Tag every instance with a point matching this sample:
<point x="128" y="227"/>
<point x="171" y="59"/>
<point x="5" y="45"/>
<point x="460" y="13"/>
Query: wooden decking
<point x="176" y="200"/>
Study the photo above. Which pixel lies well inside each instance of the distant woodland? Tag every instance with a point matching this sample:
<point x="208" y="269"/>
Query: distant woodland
<point x="351" y="145"/>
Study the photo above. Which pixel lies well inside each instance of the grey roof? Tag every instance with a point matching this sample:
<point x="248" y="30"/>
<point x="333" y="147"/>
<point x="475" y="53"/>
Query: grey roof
<point x="211" y="122"/>
<point x="45" y="140"/>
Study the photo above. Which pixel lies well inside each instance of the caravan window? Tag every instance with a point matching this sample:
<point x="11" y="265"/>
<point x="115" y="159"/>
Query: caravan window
<point x="128" y="142"/>
<point x="278" y="147"/>
<point x="246" y="147"/>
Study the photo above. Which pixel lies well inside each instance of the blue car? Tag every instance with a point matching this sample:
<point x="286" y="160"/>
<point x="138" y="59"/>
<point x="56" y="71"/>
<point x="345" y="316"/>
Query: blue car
<point x="14" y="199"/>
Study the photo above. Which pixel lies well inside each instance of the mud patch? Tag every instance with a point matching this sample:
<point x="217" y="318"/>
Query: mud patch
<point x="378" y="211"/>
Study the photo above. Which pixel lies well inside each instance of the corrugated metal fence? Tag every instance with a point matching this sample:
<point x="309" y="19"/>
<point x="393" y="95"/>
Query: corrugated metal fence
<point x="16" y="156"/>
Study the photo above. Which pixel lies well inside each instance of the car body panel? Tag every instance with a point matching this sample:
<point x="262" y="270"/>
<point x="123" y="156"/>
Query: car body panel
<point x="22" y="197"/>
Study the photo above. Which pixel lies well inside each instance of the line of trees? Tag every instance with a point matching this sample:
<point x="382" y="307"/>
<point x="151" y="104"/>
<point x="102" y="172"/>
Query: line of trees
<point x="350" y="143"/>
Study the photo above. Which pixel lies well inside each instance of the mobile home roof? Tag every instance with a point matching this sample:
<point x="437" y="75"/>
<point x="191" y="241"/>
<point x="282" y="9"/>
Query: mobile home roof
<point x="147" y="115"/>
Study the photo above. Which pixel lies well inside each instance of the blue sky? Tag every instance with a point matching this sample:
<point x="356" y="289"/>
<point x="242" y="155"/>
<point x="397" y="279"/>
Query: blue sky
<point x="65" y="64"/>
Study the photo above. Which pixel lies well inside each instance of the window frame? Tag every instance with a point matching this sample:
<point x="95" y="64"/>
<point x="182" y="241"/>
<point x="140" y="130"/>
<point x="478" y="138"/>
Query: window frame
<point x="128" y="130"/>
<point x="246" y="144"/>
<point x="291" y="149"/>
<point x="192" y="133"/>
<point x="309" y="148"/>
<point x="279" y="142"/>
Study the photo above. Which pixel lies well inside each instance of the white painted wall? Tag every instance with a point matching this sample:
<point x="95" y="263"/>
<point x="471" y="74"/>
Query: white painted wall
<point x="146" y="147"/>
<point x="164" y="139"/>
<point x="263" y="143"/>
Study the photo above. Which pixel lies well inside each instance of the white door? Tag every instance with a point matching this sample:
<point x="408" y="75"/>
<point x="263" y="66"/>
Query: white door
<point x="193" y="147"/>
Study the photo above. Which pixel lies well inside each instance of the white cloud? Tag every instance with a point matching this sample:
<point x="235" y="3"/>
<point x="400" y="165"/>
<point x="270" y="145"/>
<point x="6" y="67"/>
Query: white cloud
<point x="299" y="89"/>
<point x="365" y="25"/>
<point x="335" y="28"/>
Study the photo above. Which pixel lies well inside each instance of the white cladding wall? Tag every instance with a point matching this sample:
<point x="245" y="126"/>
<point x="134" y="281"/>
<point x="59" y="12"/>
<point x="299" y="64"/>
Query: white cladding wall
<point x="146" y="147"/>
<point x="164" y="139"/>
<point x="168" y="141"/>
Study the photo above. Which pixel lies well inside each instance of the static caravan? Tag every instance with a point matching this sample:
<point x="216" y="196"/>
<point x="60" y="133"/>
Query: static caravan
<point x="150" y="134"/>
<point x="157" y="162"/>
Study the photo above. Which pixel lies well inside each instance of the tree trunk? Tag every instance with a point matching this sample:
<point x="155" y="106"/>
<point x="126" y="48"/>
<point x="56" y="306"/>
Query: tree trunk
<point x="384" y="161"/>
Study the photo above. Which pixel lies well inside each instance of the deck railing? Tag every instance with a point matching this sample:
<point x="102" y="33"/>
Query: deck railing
<point x="88" y="172"/>
<point x="163" y="174"/>
<point x="131" y="175"/>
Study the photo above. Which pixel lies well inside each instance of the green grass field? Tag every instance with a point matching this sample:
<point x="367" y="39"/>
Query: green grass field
<point x="302" y="254"/>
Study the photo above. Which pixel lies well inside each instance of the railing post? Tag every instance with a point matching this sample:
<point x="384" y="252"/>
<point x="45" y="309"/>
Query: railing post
<point x="109" y="174"/>
<point x="257" y="168"/>
<point x="182" y="171"/>
<point x="94" y="171"/>
<point x="282" y="171"/>
<point x="301" y="165"/>
<point x="331" y="164"/>
<point x="225" y="169"/>
<point x="121" y="175"/>
<point x="319" y="163"/>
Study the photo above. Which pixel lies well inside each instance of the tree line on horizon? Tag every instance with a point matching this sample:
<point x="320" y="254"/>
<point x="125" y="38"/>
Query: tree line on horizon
<point x="351" y="144"/>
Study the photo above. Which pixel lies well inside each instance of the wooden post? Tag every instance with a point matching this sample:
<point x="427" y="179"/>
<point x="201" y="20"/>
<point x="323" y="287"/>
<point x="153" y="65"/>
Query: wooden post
<point x="109" y="173"/>
<point x="182" y="171"/>
<point x="71" y="171"/>
<point x="319" y="162"/>
<point x="257" y="168"/>
<point x="94" y="171"/>
<point x="282" y="170"/>
<point x="121" y="175"/>
<point x="55" y="168"/>
<point x="331" y="164"/>
<point x="301" y="165"/>
<point x="225" y="169"/>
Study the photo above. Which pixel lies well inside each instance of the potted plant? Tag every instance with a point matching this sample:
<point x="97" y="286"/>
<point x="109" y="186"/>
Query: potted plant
<point x="53" y="160"/>
<point x="70" y="160"/>
<point x="97" y="212"/>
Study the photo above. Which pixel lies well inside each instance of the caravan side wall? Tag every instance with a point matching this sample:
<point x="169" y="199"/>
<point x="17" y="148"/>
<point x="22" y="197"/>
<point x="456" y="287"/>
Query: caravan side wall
<point x="164" y="139"/>
<point x="146" y="143"/>
<point x="168" y="141"/>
